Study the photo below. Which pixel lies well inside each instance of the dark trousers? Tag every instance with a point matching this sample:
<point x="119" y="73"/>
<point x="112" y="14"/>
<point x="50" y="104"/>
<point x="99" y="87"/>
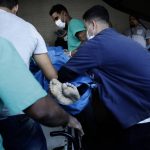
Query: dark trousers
<point x="103" y="132"/>
<point x="22" y="133"/>
<point x="136" y="137"/>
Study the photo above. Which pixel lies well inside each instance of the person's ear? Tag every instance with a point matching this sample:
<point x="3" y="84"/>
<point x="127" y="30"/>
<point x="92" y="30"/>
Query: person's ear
<point x="15" y="9"/>
<point x="95" y="27"/>
<point x="94" y="24"/>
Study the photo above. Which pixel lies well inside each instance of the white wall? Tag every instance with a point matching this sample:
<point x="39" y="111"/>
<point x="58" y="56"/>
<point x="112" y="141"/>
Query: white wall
<point x="37" y="12"/>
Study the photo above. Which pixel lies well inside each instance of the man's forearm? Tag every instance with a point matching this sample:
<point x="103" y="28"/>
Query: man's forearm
<point x="46" y="66"/>
<point x="48" y="113"/>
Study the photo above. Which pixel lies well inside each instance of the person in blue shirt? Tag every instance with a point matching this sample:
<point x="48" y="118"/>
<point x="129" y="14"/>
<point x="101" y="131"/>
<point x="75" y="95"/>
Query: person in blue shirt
<point x="121" y="69"/>
<point x="75" y="27"/>
<point x="21" y="93"/>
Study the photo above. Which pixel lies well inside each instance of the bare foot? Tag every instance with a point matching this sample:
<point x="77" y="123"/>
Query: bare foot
<point x="56" y="90"/>
<point x="70" y="91"/>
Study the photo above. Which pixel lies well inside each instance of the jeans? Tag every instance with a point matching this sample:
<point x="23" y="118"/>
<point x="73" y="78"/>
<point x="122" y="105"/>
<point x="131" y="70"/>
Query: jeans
<point x="22" y="133"/>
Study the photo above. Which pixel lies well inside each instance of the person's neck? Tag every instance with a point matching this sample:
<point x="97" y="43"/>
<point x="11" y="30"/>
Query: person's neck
<point x="102" y="27"/>
<point x="5" y="9"/>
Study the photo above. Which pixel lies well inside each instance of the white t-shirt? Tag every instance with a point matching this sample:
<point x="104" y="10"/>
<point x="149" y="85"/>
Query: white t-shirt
<point x="22" y="35"/>
<point x="138" y="34"/>
<point x="140" y="39"/>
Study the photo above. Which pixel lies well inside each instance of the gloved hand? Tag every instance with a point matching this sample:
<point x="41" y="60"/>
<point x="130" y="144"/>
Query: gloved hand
<point x="74" y="123"/>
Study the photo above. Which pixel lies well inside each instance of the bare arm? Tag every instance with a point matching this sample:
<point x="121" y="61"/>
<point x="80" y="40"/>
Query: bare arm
<point x="47" y="112"/>
<point x="45" y="65"/>
<point x="81" y="36"/>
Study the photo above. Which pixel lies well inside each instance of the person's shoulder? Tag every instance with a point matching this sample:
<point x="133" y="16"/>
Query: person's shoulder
<point x="30" y="25"/>
<point x="74" y="20"/>
<point x="21" y="22"/>
<point x="76" y="25"/>
<point x="91" y="45"/>
<point x="16" y="18"/>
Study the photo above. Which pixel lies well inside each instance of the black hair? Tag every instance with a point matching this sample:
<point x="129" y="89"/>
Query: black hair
<point x="96" y="12"/>
<point x="135" y="16"/>
<point x="57" y="8"/>
<point x="138" y="19"/>
<point x="8" y="3"/>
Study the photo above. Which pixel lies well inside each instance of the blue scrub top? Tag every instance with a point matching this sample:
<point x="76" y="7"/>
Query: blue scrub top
<point x="121" y="68"/>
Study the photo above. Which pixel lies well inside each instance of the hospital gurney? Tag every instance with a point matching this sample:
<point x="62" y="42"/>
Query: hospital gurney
<point x="73" y="139"/>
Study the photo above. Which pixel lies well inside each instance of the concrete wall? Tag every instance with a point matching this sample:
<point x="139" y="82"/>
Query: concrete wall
<point x="37" y="12"/>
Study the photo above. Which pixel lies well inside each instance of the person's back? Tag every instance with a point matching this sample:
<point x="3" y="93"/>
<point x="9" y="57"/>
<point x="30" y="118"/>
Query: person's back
<point x="120" y="65"/>
<point x="21" y="33"/>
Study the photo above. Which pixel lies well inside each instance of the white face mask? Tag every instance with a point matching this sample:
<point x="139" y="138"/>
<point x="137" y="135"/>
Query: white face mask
<point x="60" y="24"/>
<point x="66" y="38"/>
<point x="89" y="36"/>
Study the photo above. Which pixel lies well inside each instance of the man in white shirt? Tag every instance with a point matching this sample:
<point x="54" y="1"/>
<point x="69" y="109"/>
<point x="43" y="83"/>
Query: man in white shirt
<point x="138" y="31"/>
<point x="28" y="42"/>
<point x="18" y="93"/>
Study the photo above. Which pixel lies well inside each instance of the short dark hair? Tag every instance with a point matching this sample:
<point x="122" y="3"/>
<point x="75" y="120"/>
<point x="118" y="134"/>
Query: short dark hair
<point x="96" y="12"/>
<point x="135" y="16"/>
<point x="8" y="3"/>
<point x="58" y="9"/>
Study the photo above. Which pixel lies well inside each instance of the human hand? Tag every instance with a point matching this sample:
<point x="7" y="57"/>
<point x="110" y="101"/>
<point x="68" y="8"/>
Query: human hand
<point x="74" y="123"/>
<point x="67" y="53"/>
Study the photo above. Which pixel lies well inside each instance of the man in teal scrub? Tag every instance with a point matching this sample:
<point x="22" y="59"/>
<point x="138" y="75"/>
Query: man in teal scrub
<point x="21" y="93"/>
<point x="75" y="27"/>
